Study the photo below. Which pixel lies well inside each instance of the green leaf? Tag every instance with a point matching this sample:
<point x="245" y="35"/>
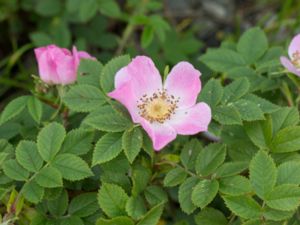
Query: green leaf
<point x="263" y="174"/>
<point x="71" y="220"/>
<point x="108" y="147"/>
<point x="277" y="215"/>
<point x="286" y="140"/>
<point x="72" y="167"/>
<point x="40" y="38"/>
<point x="252" y="44"/>
<point x="35" y="108"/>
<point x="265" y="105"/>
<point x="109" y="8"/>
<point x="49" y="177"/>
<point x="222" y="60"/>
<point x="121" y="220"/>
<point x="243" y="206"/>
<point x="189" y="153"/>
<point x="50" y="139"/>
<point x="289" y="173"/>
<point x="204" y="192"/>
<point x="48" y="7"/>
<point x="9" y="130"/>
<point x="259" y="132"/>
<point x="236" y="90"/>
<point x="52" y="193"/>
<point x="32" y="192"/>
<point x="175" y="177"/>
<point x="132" y="141"/>
<point x="112" y="200"/>
<point x="236" y="185"/>
<point x="84" y="98"/>
<point x="89" y="72"/>
<point x="185" y="195"/>
<point x="155" y="195"/>
<point x="87" y="10"/>
<point x="57" y="207"/>
<point x="147" y="36"/>
<point x="212" y="93"/>
<point x="210" y="158"/>
<point x="140" y="178"/>
<point x="78" y="142"/>
<point x="109" y="71"/>
<point x="227" y="115"/>
<point x="13" y="109"/>
<point x="284" y="117"/>
<point x="210" y="216"/>
<point x="28" y="156"/>
<point x="231" y="168"/>
<point x="285" y="197"/>
<point x="152" y="216"/>
<point x="248" y="110"/>
<point x="14" y="171"/>
<point x="135" y="207"/>
<point x="253" y="222"/>
<point x="84" y="205"/>
<point x="110" y="121"/>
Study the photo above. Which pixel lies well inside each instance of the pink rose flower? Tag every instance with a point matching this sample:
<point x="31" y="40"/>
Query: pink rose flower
<point x="293" y="64"/>
<point x="163" y="110"/>
<point x="58" y="65"/>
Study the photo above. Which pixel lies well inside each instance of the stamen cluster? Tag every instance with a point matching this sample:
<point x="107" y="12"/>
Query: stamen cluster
<point x="158" y="107"/>
<point x="296" y="59"/>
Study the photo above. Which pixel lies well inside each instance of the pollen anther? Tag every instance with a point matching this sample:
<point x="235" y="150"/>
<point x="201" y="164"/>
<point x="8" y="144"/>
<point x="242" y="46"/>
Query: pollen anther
<point x="157" y="107"/>
<point x="296" y="59"/>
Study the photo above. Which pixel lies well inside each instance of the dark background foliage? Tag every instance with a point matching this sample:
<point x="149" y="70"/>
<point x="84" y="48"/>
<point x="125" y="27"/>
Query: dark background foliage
<point x="168" y="31"/>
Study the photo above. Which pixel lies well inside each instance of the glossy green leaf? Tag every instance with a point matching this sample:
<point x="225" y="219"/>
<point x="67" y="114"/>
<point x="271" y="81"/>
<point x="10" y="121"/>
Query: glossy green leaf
<point x="84" y="98"/>
<point x="49" y="177"/>
<point x="50" y="139"/>
<point x="210" y="216"/>
<point x="112" y="200"/>
<point x="109" y="71"/>
<point x="285" y="197"/>
<point x="185" y="194"/>
<point x="210" y="158"/>
<point x="243" y="206"/>
<point x="132" y="141"/>
<point x="72" y="167"/>
<point x="263" y="174"/>
<point x="252" y="44"/>
<point x="28" y="156"/>
<point x="13" y="170"/>
<point x="235" y="185"/>
<point x="107" y="148"/>
<point x="204" y="192"/>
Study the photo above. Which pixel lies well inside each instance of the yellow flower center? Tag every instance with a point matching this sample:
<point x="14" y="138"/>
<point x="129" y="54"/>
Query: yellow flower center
<point x="157" y="108"/>
<point x="296" y="59"/>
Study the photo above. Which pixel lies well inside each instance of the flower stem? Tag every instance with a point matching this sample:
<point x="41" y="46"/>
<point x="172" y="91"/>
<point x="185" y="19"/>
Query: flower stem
<point x="60" y="91"/>
<point x="140" y="9"/>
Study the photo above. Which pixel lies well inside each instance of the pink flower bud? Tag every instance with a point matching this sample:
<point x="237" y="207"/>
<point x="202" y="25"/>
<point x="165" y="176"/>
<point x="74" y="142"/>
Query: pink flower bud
<point x="58" y="65"/>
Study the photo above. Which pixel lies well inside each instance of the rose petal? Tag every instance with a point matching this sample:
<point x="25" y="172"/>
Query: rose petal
<point x="46" y="66"/>
<point x="289" y="65"/>
<point x="80" y="55"/>
<point x="125" y="95"/>
<point x="160" y="134"/>
<point x="294" y="45"/>
<point x="192" y="120"/>
<point x="143" y="74"/>
<point x="184" y="82"/>
<point x="66" y="70"/>
<point x="122" y="77"/>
